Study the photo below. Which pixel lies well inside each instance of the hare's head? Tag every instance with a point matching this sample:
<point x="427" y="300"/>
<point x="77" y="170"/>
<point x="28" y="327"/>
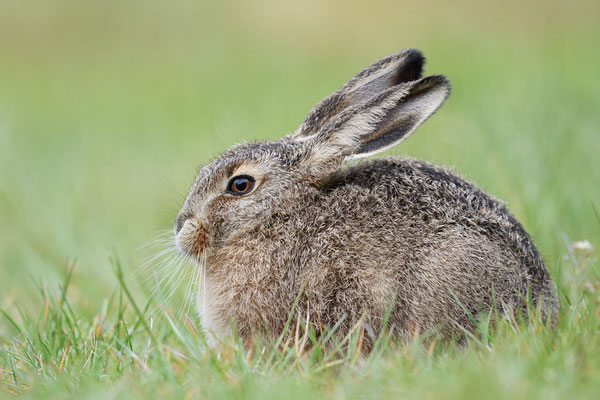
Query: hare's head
<point x="243" y="188"/>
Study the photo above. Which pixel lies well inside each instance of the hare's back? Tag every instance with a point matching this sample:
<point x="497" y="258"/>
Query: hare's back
<point x="415" y="182"/>
<point x="429" y="199"/>
<point x="437" y="233"/>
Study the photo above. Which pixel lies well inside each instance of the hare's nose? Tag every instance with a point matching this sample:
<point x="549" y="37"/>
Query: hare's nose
<point x="180" y="220"/>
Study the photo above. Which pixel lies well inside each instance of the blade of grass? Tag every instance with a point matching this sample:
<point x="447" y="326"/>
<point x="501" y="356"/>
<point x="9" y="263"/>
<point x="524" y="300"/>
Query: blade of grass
<point x="12" y="321"/>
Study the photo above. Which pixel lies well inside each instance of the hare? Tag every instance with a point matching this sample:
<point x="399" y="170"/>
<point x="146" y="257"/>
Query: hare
<point x="289" y="221"/>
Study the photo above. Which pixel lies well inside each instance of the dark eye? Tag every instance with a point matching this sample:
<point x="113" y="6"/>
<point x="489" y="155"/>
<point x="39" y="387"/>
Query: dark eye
<point x="239" y="185"/>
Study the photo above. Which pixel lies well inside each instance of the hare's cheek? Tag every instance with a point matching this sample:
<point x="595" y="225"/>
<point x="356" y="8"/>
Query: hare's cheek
<point x="222" y="216"/>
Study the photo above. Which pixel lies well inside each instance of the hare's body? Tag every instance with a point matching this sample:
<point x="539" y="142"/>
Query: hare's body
<point x="280" y="221"/>
<point x="439" y="239"/>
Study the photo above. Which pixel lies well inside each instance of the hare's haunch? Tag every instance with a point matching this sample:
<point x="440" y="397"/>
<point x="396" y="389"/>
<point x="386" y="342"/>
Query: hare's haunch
<point x="283" y="220"/>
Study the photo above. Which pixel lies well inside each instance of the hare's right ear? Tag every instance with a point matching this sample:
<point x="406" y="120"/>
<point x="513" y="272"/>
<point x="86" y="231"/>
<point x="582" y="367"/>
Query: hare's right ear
<point x="404" y="66"/>
<point x="375" y="126"/>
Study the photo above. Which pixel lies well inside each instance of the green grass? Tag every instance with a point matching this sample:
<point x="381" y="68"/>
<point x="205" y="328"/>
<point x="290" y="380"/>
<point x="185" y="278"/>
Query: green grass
<point x="124" y="351"/>
<point x="107" y="108"/>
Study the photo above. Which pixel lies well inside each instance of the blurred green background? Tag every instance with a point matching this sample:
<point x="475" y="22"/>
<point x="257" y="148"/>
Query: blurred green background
<point x="107" y="108"/>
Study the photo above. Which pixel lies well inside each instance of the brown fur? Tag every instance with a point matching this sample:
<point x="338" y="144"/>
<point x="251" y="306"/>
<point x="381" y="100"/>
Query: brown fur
<point x="354" y="241"/>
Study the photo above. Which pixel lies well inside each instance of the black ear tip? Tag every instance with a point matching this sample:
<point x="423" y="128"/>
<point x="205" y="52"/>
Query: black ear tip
<point x="410" y="67"/>
<point x="434" y="81"/>
<point x="414" y="54"/>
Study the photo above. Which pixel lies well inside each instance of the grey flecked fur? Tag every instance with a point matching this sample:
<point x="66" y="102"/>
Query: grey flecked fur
<point x="354" y="241"/>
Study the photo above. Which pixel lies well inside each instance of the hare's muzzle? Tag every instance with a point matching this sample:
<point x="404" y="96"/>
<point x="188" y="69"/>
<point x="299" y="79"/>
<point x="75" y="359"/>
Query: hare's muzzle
<point x="192" y="238"/>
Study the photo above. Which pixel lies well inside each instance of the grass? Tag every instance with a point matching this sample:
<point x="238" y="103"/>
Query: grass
<point x="124" y="350"/>
<point x="106" y="109"/>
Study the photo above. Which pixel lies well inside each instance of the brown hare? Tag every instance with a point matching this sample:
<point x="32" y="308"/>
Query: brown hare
<point x="285" y="220"/>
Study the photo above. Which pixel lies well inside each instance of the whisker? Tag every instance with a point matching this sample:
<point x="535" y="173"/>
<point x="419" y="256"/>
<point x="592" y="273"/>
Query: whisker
<point x="164" y="265"/>
<point x="191" y="290"/>
<point x="182" y="272"/>
<point x="168" y="272"/>
<point x="149" y="263"/>
<point x="170" y="268"/>
<point x="160" y="286"/>
<point x="163" y="275"/>
<point x="175" y="279"/>
<point x="164" y="237"/>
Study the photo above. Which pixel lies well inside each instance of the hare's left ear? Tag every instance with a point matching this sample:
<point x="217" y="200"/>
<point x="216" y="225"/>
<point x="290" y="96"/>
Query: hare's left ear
<point x="382" y="122"/>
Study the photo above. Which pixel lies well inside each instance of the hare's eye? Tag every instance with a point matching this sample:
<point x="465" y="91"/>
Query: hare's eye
<point x="239" y="185"/>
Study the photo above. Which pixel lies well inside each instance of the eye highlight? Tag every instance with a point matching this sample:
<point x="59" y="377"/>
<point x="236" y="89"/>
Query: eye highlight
<point x="240" y="185"/>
